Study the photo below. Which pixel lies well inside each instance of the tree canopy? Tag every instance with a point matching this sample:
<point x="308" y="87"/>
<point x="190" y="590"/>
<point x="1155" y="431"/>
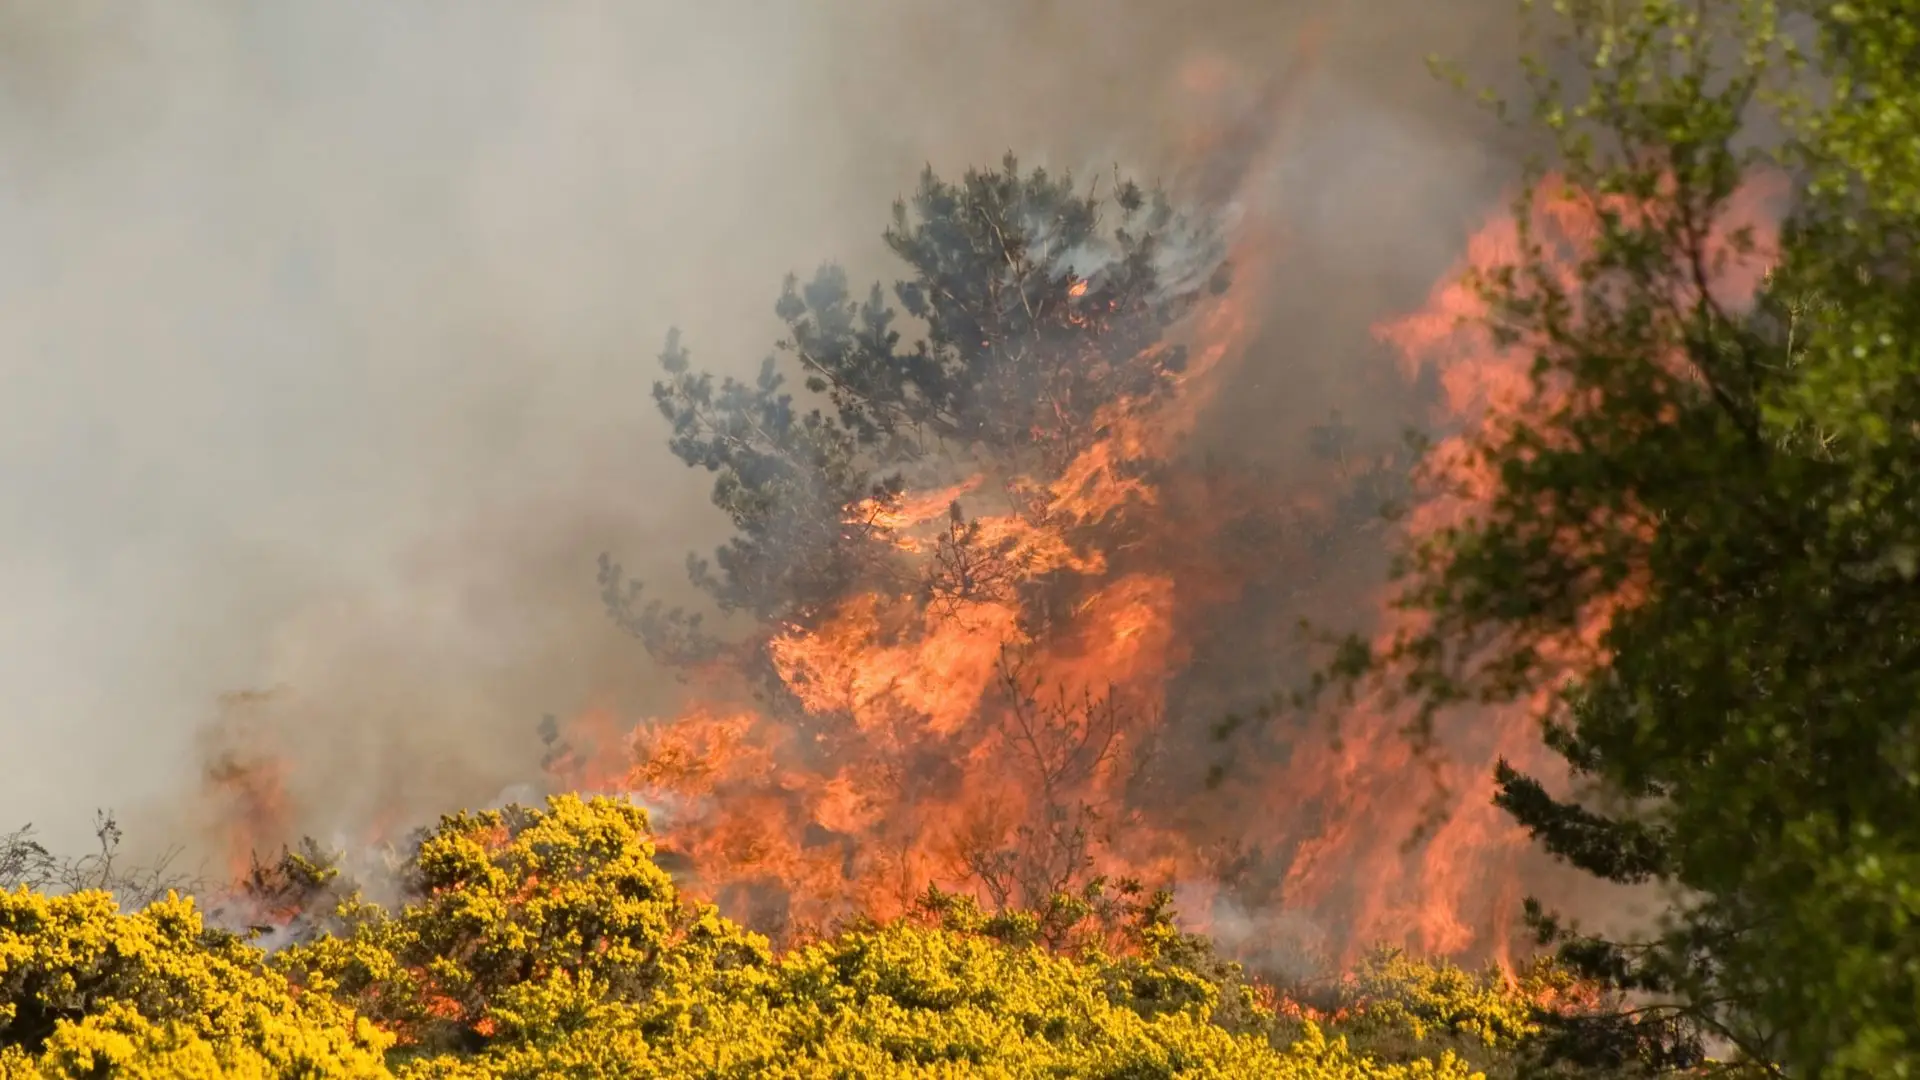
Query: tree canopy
<point x="1037" y="303"/>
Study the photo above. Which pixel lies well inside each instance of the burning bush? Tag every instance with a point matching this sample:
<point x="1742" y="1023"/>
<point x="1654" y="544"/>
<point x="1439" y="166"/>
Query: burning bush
<point x="544" y="942"/>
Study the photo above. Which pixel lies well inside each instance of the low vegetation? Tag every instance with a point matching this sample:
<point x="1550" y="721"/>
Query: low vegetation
<point x="548" y="942"/>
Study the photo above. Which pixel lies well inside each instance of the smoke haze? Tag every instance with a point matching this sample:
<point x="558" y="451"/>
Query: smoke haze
<point x="328" y="327"/>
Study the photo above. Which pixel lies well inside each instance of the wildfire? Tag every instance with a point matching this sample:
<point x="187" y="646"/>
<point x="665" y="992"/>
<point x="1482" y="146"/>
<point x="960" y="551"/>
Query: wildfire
<point x="1027" y="705"/>
<point x="957" y="736"/>
<point x="1487" y="389"/>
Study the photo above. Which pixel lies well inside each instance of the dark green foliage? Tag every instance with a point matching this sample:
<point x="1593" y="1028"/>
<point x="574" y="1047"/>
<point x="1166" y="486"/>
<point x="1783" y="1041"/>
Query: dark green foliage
<point x="1753" y="733"/>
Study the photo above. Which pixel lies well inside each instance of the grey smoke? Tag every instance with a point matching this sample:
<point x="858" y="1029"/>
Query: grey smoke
<point x="327" y="326"/>
<point x="1280" y="945"/>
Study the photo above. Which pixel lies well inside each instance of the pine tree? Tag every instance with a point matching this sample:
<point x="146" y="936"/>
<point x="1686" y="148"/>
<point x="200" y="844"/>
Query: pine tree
<point x="1037" y="304"/>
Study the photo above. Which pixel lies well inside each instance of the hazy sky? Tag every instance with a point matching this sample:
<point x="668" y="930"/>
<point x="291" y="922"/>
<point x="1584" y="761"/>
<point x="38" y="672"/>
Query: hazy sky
<point x="327" y="325"/>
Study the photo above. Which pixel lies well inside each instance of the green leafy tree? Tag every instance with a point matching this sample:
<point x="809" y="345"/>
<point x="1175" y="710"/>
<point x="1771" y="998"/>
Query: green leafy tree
<point x="1748" y="480"/>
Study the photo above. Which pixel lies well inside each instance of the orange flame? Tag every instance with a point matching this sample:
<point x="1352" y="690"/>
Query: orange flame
<point x="244" y="784"/>
<point x="948" y="735"/>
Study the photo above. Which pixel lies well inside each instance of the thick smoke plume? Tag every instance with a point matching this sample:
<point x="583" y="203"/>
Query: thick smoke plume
<point x="330" y="327"/>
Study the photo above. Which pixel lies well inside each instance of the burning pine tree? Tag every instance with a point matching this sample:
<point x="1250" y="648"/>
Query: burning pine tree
<point x="955" y="644"/>
<point x="985" y="579"/>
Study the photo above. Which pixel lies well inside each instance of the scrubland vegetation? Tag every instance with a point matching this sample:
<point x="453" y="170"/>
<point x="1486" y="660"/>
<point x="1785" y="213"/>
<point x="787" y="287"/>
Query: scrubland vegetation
<point x="547" y="942"/>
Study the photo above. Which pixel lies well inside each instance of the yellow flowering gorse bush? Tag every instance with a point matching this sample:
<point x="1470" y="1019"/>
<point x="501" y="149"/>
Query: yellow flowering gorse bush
<point x="86" y="990"/>
<point x="549" y="943"/>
